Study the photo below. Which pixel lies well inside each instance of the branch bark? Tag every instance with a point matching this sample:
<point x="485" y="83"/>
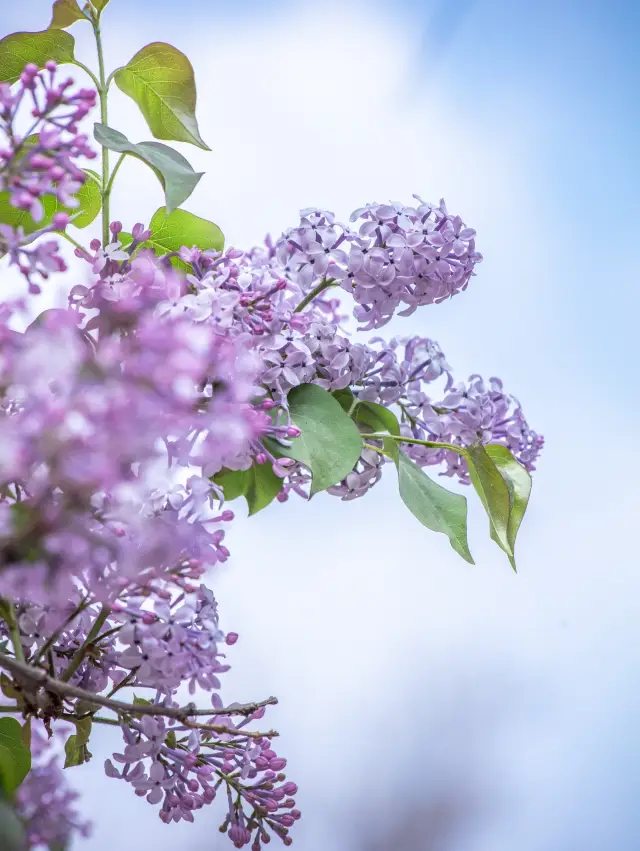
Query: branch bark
<point x="40" y="678"/>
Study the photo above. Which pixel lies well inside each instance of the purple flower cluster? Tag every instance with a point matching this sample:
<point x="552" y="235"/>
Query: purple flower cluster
<point x="83" y="425"/>
<point x="394" y="255"/>
<point x="255" y="295"/>
<point x="45" y="802"/>
<point x="117" y="413"/>
<point x="183" y="770"/>
<point x="41" y="163"/>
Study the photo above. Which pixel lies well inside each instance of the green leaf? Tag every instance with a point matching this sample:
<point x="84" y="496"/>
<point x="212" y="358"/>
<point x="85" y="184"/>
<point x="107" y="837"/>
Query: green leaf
<point x="75" y="748"/>
<point x="434" y="506"/>
<point x="159" y="78"/>
<point x="345" y="398"/>
<point x="171" y="739"/>
<point x="18" y="49"/>
<point x="83" y="730"/>
<point x="65" y="13"/>
<point x="26" y="733"/>
<point x="330" y="443"/>
<point x="75" y="753"/>
<point x="15" y="758"/>
<point x="90" y="201"/>
<point x="518" y="483"/>
<point x="259" y="485"/>
<point x="173" y="171"/>
<point x="7" y="688"/>
<point x="141" y="701"/>
<point x="99" y="4"/>
<point x="12" y="836"/>
<point x="89" y="205"/>
<point x="233" y="483"/>
<point x="262" y="488"/>
<point x="170" y="233"/>
<point x="493" y="492"/>
<point x="86" y="706"/>
<point x="377" y="417"/>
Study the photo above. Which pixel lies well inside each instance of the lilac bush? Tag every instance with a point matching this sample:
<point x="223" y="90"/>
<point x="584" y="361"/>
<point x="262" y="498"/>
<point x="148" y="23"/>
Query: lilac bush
<point x="184" y="375"/>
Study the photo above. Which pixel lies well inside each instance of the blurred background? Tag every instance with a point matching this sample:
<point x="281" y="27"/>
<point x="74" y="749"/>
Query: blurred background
<point x="425" y="704"/>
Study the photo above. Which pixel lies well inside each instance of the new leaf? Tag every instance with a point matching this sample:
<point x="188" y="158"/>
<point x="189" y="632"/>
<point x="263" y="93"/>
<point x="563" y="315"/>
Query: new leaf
<point x="65" y="13"/>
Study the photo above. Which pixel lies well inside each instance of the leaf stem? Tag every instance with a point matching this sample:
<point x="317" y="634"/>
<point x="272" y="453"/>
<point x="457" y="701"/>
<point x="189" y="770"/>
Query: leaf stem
<point x="73" y="241"/>
<point x="81" y="652"/>
<point x="9" y="709"/>
<point x="377" y="449"/>
<point x="324" y="284"/>
<point x="88" y="71"/>
<point x="56" y="634"/>
<point x="8" y="613"/>
<point x="114" y="172"/>
<point x="432" y="444"/>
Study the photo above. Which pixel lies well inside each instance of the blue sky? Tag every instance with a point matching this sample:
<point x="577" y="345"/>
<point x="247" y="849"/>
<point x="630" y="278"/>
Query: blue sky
<point x="525" y="117"/>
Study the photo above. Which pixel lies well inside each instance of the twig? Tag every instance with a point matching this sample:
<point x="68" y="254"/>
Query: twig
<point x="81" y="652"/>
<point x="324" y="284"/>
<point x="8" y="613"/>
<point x="55" y="635"/>
<point x="182" y="713"/>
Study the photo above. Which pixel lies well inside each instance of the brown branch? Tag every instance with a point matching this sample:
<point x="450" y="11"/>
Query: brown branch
<point x="181" y="713"/>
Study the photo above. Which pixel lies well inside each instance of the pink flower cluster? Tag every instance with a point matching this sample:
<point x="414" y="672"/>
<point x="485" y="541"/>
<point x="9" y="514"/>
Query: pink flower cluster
<point x="41" y="163"/>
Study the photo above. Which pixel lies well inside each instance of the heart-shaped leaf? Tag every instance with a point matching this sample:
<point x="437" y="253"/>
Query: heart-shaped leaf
<point x="493" y="492"/>
<point x="518" y="483"/>
<point x="160" y="79"/>
<point x="330" y="443"/>
<point x="173" y="171"/>
<point x="434" y="506"/>
<point x="15" y="758"/>
<point x="19" y="49"/>
<point x="65" y="13"/>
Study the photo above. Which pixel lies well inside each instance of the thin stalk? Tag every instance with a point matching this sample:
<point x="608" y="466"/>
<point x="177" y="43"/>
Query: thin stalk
<point x="104" y="118"/>
<point x="114" y="172"/>
<point x="378" y="450"/>
<point x="324" y="284"/>
<point x="73" y="241"/>
<point x="399" y="438"/>
<point x="9" y="616"/>
<point x="81" y="652"/>
<point x="10" y="709"/>
<point x="55" y="635"/>
<point x="88" y="71"/>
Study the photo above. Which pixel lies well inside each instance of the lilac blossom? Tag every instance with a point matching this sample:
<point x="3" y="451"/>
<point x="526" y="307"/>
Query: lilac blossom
<point x="104" y="557"/>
